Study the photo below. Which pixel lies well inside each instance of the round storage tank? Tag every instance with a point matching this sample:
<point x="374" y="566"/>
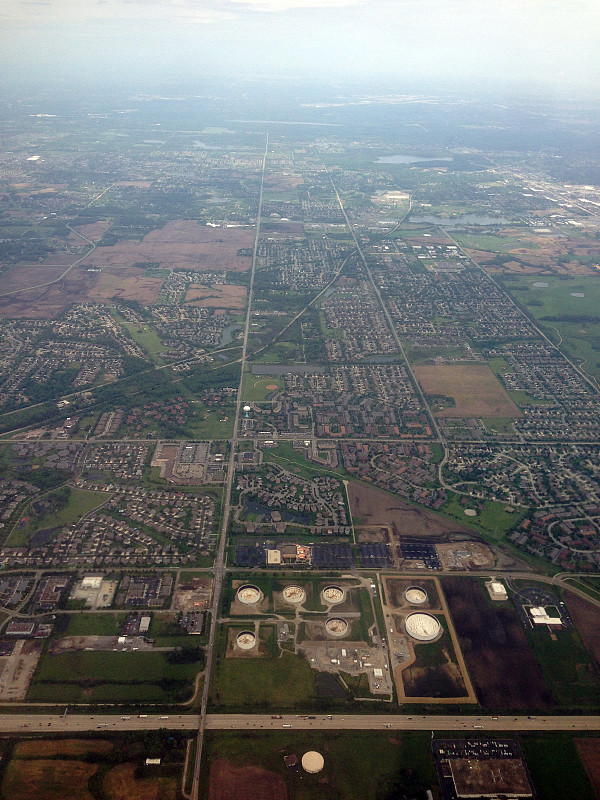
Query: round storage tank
<point x="422" y="627"/>
<point x="312" y="762"/>
<point x="331" y="595"/>
<point x="336" y="626"/>
<point x="415" y="595"/>
<point x="249" y="595"/>
<point x="245" y="640"/>
<point x="294" y="594"/>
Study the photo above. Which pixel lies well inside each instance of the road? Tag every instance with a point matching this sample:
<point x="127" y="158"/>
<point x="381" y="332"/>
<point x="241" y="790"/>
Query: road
<point x="73" y="723"/>
<point x="219" y="566"/>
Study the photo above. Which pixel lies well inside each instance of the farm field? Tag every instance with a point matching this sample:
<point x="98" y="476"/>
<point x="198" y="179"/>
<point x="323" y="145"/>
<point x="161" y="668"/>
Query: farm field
<point x="573" y="680"/>
<point x="376" y="507"/>
<point x="589" y="753"/>
<point x="587" y="621"/>
<point x="217" y="296"/>
<point x="474" y="387"/>
<point x="183" y="244"/>
<point x="496" y="649"/>
<point x="85" y="769"/>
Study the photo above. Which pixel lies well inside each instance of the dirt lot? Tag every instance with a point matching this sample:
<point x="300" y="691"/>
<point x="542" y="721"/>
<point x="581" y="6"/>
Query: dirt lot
<point x="17" y="669"/>
<point x="121" y="784"/>
<point x="502" y="667"/>
<point x="475" y="389"/>
<point x="589" y="753"/>
<point x="244" y="783"/>
<point x="46" y="748"/>
<point x="182" y="245"/>
<point x="218" y="296"/>
<point x="47" y="779"/>
<point x="587" y="621"/>
<point x="376" y="507"/>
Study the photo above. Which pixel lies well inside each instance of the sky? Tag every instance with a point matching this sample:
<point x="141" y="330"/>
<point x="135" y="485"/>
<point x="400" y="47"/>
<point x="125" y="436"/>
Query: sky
<point x="549" y="42"/>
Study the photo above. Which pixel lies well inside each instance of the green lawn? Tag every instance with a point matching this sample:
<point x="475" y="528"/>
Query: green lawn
<point x="491" y="520"/>
<point x="255" y="386"/>
<point x="212" y="424"/>
<point x="567" y="668"/>
<point x="55" y="514"/>
<point x="361" y="765"/>
<point x="295" y="461"/>
<point x="95" y="624"/>
<point x="555" y="767"/>
<point x="243" y="683"/>
<point x="85" y="676"/>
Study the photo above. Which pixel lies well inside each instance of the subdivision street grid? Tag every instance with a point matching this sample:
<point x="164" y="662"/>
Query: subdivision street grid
<point x="316" y="430"/>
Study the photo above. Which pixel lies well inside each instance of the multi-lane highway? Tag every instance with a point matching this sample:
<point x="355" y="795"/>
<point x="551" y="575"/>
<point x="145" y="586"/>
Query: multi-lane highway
<point x="60" y="723"/>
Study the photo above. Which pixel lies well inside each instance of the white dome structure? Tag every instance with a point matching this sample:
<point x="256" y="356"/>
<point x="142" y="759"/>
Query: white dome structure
<point x="312" y="762"/>
<point x="422" y="627"/>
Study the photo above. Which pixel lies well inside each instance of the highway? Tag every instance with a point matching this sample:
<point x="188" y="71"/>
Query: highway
<point x="73" y="723"/>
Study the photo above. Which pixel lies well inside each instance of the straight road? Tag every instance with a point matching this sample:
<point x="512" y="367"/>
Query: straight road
<point x="73" y="723"/>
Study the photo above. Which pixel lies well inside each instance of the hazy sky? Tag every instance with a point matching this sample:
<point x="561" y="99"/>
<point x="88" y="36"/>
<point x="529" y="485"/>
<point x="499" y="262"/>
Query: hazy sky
<point x="552" y="41"/>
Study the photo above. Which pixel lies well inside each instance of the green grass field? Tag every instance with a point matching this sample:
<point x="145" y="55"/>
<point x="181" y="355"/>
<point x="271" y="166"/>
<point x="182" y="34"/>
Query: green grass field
<point x="561" y="315"/>
<point x="95" y="624"/>
<point x="365" y="765"/>
<point x="255" y="386"/>
<point x="567" y="668"/>
<point x="493" y="244"/>
<point x="284" y="682"/>
<point x="555" y="767"/>
<point x="493" y="520"/>
<point x="84" y="676"/>
<point x="79" y="502"/>
<point x="295" y="461"/>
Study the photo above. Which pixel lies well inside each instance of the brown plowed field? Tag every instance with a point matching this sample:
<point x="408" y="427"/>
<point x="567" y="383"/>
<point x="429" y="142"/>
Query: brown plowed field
<point x="587" y="621"/>
<point x="376" y="507"/>
<point x="93" y="231"/>
<point x="79" y="286"/>
<point x="477" y="392"/>
<point x="244" y="783"/>
<point x="121" y="784"/>
<point x="217" y="296"/>
<point x="183" y="245"/>
<point x="47" y="779"/>
<point x="503" y="669"/>
<point x="126" y="285"/>
<point x="589" y="753"/>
